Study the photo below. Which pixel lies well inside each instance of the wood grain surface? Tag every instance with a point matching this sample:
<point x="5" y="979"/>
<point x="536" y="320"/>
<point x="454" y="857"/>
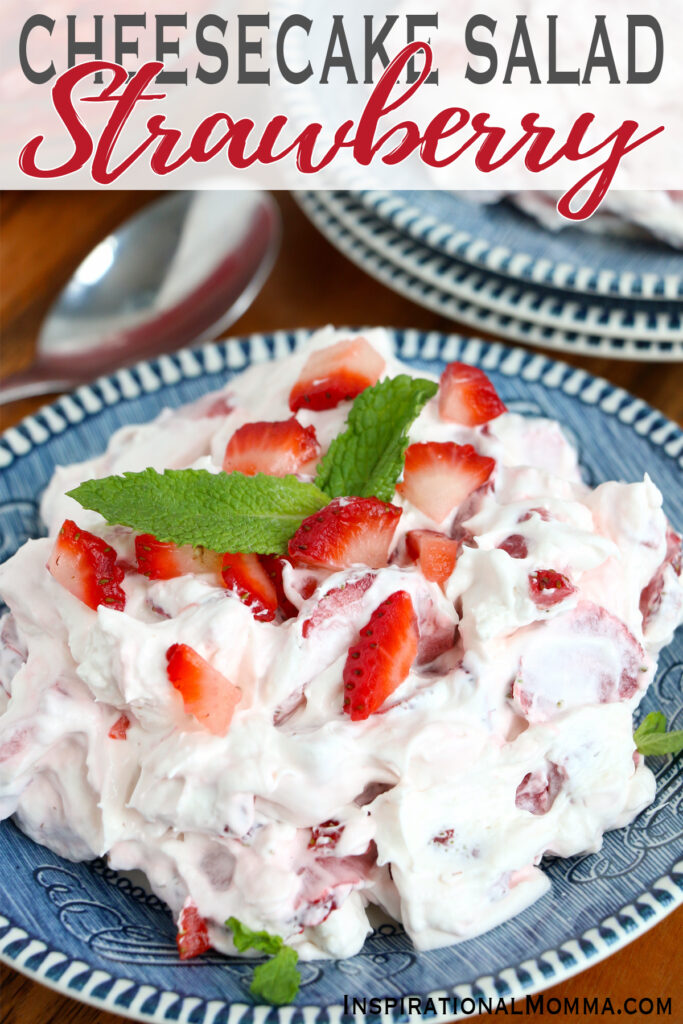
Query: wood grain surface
<point x="43" y="236"/>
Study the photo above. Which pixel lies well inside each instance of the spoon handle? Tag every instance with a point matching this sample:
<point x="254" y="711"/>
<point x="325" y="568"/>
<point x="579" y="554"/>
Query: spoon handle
<point x="37" y="380"/>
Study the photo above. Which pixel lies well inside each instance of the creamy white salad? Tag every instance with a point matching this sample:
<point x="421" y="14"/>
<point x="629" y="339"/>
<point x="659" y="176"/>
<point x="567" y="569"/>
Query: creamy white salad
<point x="188" y="728"/>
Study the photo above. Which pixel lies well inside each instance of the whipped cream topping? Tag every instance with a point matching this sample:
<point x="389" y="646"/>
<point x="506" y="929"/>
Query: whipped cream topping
<point x="510" y="738"/>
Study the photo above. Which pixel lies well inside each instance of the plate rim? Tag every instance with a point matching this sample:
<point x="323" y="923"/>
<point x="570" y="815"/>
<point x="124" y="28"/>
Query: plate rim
<point x="237" y="353"/>
<point x="462" y="311"/>
<point x="437" y="270"/>
<point x="405" y="216"/>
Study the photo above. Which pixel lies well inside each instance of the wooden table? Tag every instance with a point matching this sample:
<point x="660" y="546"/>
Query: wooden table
<point x="44" y="235"/>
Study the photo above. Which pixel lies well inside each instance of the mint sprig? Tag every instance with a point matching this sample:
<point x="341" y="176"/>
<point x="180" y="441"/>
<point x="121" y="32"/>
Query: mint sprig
<point x="219" y="511"/>
<point x="259" y="514"/>
<point x="367" y="458"/>
<point x="277" y="980"/>
<point x="653" y="740"/>
<point x="244" y="938"/>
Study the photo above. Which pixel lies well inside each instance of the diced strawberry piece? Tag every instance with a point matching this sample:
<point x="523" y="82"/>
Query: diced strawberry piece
<point x="274" y="567"/>
<point x="207" y="694"/>
<point x="434" y="552"/>
<point x="275" y="448"/>
<point x="336" y="374"/>
<point x="335" y="600"/>
<point x="467" y="396"/>
<point x="193" y="935"/>
<point x="325" y="837"/>
<point x="85" y="565"/>
<point x="548" y="587"/>
<point x="515" y="546"/>
<point x="582" y="656"/>
<point x="163" y="560"/>
<point x="538" y="790"/>
<point x="444" y="838"/>
<point x="245" y="576"/>
<point x="381" y="659"/>
<point x="119" y="728"/>
<point x="542" y="513"/>
<point x="220" y="406"/>
<point x="348" y="531"/>
<point x="651" y="595"/>
<point x="438" y="476"/>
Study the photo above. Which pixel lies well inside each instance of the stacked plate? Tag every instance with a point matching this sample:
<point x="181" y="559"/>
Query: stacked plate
<point x="494" y="268"/>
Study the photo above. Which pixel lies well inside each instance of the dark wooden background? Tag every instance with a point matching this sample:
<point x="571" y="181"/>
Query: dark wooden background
<point x="43" y="235"/>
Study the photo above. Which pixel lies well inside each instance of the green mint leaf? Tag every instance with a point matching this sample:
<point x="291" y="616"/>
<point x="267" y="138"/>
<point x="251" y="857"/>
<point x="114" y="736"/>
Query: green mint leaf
<point x="244" y="938"/>
<point x="277" y="980"/>
<point x="653" y="740"/>
<point x="219" y="511"/>
<point x="655" y="722"/>
<point x="367" y="459"/>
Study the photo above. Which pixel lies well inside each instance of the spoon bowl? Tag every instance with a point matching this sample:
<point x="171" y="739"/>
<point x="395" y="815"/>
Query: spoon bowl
<point x="177" y="273"/>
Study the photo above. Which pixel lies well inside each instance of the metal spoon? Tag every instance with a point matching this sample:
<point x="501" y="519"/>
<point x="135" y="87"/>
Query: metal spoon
<point x="178" y="272"/>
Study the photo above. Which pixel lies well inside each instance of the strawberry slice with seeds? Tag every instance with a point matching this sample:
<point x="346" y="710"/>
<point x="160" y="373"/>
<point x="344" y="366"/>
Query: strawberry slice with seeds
<point x="275" y="448"/>
<point x="380" y="661"/>
<point x="434" y="552"/>
<point x="119" y="729"/>
<point x="336" y="374"/>
<point x="193" y="935"/>
<point x="348" y="531"/>
<point x="335" y="600"/>
<point x="274" y="567"/>
<point x="467" y="396"/>
<point x="438" y="476"/>
<point x="163" y="560"/>
<point x="548" y="587"/>
<point x="245" y="576"/>
<point x="207" y="695"/>
<point x="86" y="566"/>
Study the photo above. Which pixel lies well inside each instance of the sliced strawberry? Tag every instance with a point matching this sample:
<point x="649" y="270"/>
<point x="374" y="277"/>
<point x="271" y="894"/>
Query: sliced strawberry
<point x="163" y="560"/>
<point x="274" y="567"/>
<point x="119" y="728"/>
<point x="85" y="565"/>
<point x="515" y="546"/>
<point x="275" y="448"/>
<point x="325" y="837"/>
<point x="467" y="396"/>
<point x="434" y="552"/>
<point x="537" y="791"/>
<point x="438" y="476"/>
<point x="381" y="660"/>
<point x="548" y="587"/>
<point x="444" y="838"/>
<point x="245" y="576"/>
<point x="581" y="656"/>
<point x="336" y="374"/>
<point x="332" y="603"/>
<point x="207" y="694"/>
<point x="652" y="595"/>
<point x="193" y="935"/>
<point x="348" y="531"/>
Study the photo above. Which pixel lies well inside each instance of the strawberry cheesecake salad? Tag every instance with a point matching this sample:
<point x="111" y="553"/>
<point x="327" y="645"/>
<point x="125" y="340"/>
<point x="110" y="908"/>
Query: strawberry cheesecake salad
<point x="338" y="635"/>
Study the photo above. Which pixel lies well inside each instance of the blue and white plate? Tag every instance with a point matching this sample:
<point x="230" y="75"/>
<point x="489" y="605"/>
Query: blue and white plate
<point x="484" y="301"/>
<point x="501" y="238"/>
<point x="650" y="322"/>
<point x="102" y="939"/>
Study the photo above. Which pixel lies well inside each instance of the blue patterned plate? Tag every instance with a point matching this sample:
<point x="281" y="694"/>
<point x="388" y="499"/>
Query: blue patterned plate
<point x="501" y="238"/>
<point x="471" y="299"/>
<point x="616" y="319"/>
<point x="102" y="939"/>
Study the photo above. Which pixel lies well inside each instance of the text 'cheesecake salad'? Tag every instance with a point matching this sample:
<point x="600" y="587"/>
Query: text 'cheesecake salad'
<point x="372" y="641"/>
